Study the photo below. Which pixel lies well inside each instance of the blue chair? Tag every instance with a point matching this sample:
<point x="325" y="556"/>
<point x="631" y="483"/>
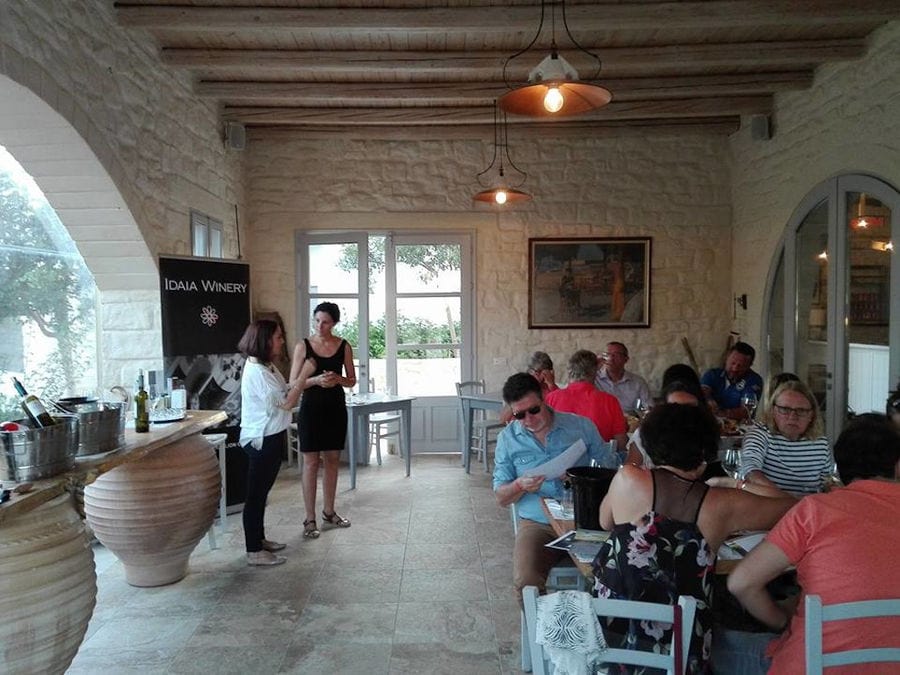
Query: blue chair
<point x="681" y="616"/>
<point x="817" y="614"/>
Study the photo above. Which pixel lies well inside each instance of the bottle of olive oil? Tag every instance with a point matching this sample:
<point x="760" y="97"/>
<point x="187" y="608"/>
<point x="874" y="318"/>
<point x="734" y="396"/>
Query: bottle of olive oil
<point x="141" y="409"/>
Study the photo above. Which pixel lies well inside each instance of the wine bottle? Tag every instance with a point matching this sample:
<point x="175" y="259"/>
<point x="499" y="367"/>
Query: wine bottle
<point x="141" y="411"/>
<point x="33" y="407"/>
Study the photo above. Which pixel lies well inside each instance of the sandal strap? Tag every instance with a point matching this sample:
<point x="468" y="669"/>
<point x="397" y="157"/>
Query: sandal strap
<point x="335" y="519"/>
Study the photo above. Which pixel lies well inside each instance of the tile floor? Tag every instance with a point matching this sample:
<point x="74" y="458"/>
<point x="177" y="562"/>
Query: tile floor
<point x="421" y="583"/>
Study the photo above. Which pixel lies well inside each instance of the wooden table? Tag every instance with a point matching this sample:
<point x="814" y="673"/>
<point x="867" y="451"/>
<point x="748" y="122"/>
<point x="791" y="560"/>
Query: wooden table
<point x="358" y="410"/>
<point x="470" y="403"/>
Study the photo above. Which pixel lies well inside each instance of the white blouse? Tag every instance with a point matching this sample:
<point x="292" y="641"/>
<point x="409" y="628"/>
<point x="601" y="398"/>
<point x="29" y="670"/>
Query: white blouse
<point x="263" y="392"/>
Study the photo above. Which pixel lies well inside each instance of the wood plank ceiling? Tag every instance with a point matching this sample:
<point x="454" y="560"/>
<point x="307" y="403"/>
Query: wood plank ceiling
<point x="338" y="64"/>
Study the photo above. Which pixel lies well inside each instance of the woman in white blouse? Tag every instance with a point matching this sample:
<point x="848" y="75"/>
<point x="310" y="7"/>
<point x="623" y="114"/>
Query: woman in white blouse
<point x="266" y="403"/>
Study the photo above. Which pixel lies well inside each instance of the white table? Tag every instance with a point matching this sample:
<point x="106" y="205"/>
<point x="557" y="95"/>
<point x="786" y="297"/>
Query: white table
<point x="358" y="410"/>
<point x="470" y="403"/>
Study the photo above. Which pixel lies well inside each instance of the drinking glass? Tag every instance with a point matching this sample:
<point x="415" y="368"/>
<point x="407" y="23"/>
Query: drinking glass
<point x="732" y="462"/>
<point x="641" y="408"/>
<point x="750" y="401"/>
<point x="567" y="502"/>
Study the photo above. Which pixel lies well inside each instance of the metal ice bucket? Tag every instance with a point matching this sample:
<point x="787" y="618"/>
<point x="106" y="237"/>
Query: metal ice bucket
<point x="31" y="454"/>
<point x="101" y="430"/>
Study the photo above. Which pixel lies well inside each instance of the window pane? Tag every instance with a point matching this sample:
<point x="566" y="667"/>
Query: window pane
<point x="427" y="321"/>
<point x="333" y="268"/>
<point x="215" y="242"/>
<point x="428" y="267"/>
<point x="199" y="239"/>
<point x="812" y="299"/>
<point x="432" y="374"/>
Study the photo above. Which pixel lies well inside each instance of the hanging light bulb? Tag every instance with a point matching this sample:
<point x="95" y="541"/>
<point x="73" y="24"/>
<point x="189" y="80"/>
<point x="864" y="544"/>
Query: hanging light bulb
<point x="553" y="100"/>
<point x="554" y="87"/>
<point x="499" y="191"/>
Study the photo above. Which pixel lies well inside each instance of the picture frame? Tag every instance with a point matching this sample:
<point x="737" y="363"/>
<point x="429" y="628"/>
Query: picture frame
<point x="589" y="282"/>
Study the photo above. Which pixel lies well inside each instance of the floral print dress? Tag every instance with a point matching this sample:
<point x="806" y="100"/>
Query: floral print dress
<point x="660" y="558"/>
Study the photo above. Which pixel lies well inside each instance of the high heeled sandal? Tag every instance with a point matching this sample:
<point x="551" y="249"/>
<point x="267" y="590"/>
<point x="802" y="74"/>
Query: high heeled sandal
<point x="310" y="529"/>
<point x="335" y="520"/>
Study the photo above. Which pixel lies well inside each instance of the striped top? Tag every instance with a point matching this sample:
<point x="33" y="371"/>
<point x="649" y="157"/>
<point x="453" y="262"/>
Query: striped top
<point x="794" y="466"/>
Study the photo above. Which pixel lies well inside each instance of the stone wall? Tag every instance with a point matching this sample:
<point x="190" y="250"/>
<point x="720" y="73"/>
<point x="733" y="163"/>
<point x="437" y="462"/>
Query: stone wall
<point x="123" y="151"/>
<point x="673" y="187"/>
<point x="847" y="122"/>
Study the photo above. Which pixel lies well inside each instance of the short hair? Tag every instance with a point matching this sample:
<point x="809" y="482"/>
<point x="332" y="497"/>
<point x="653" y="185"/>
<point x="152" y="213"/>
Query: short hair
<point x="680" y="372"/>
<point x="540" y="361"/>
<point x="691" y="388"/>
<point x="892" y="406"/>
<point x="745" y="349"/>
<point x="869" y="447"/>
<point x="331" y="309"/>
<point x="518" y="386"/>
<point x="781" y="378"/>
<point x="683" y="436"/>
<point x="582" y="366"/>
<point x="815" y="428"/>
<point x="619" y="344"/>
<point x="257" y="340"/>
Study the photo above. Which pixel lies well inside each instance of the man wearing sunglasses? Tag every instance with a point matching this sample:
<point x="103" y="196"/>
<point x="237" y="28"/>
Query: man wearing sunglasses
<point x="535" y="436"/>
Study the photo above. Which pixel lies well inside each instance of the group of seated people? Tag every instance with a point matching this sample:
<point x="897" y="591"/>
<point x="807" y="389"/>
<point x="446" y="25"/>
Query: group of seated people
<point x="667" y="523"/>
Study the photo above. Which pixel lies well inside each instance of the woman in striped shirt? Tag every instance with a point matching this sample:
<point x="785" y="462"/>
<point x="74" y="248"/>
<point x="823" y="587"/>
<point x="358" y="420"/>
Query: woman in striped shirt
<point x="790" y="450"/>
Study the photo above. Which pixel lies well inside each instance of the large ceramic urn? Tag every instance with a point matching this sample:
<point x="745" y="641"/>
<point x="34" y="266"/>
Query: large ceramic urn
<point x="152" y="512"/>
<point x="47" y="588"/>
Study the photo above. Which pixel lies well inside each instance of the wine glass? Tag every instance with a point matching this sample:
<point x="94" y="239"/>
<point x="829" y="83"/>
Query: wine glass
<point x="750" y="401"/>
<point x="732" y="462"/>
<point x="641" y="408"/>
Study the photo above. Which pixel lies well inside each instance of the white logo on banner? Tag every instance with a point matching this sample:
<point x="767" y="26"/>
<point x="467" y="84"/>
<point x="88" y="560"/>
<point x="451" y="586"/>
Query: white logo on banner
<point x="209" y="316"/>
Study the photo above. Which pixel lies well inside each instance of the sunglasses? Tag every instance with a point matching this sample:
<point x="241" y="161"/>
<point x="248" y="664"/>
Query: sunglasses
<point x="534" y="410"/>
<point x="786" y="411"/>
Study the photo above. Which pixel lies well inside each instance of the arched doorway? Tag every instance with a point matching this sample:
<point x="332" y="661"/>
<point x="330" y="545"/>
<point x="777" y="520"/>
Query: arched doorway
<point x="832" y="318"/>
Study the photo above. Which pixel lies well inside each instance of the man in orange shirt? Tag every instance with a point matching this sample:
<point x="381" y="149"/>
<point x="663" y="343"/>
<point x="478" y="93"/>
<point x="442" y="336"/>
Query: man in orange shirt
<point x="583" y="398"/>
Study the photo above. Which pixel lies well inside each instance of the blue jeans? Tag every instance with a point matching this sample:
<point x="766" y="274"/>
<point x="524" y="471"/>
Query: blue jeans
<point x="737" y="652"/>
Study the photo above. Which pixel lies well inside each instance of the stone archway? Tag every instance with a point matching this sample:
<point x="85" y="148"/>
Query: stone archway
<point x="79" y="186"/>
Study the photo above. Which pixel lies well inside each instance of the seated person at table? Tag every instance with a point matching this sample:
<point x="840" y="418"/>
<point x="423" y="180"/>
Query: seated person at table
<point x="538" y="435"/>
<point x="540" y="367"/>
<point x="683" y="393"/>
<point x="788" y="449"/>
<point x="724" y="387"/>
<point x="612" y="378"/>
<point x="683" y="373"/>
<point x="893" y="406"/>
<point x="582" y="398"/>
<point x="667" y="525"/>
<point x="843" y="545"/>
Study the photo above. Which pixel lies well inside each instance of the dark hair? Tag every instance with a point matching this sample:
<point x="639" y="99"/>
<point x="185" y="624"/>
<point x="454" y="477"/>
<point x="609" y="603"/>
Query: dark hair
<point x="893" y="402"/>
<point x="691" y="388"/>
<point x="682" y="436"/>
<point x="745" y="349"/>
<point x="257" y="340"/>
<point x="619" y="344"/>
<point x="540" y="361"/>
<point x="869" y="447"/>
<point x="680" y="372"/>
<point x="582" y="366"/>
<point x="781" y="378"/>
<point x="330" y="309"/>
<point x="518" y="386"/>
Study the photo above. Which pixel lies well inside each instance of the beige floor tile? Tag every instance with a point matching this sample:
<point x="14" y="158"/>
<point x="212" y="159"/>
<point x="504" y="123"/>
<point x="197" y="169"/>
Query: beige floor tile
<point x="340" y="623"/>
<point x="466" y="623"/>
<point x="443" y="585"/>
<point x="228" y="660"/>
<point x="309" y="658"/>
<point x="413" y="659"/>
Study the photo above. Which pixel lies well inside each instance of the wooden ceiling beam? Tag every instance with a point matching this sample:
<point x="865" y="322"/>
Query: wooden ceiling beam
<point x="617" y="110"/>
<point x="617" y="60"/>
<point x="483" y="20"/>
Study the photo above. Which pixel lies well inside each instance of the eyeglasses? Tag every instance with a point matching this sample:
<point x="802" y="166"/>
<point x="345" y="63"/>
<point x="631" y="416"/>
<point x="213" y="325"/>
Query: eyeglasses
<point x="796" y="412"/>
<point x="534" y="410"/>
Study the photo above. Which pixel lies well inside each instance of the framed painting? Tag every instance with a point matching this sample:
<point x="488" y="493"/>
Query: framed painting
<point x="590" y="282"/>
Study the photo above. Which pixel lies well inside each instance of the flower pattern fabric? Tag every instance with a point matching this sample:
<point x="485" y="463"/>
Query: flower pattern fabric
<point x="657" y="560"/>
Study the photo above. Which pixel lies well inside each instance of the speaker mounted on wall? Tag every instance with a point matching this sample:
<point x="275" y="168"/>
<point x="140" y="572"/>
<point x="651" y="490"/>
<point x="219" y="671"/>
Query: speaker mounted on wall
<point x="235" y="135"/>
<point x="760" y="127"/>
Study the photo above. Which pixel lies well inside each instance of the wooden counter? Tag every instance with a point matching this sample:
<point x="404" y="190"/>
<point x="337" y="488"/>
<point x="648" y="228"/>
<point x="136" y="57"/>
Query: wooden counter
<point x="87" y="469"/>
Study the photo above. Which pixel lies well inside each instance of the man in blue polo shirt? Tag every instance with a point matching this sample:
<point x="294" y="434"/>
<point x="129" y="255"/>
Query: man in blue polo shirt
<point x="724" y="387"/>
<point x="537" y="434"/>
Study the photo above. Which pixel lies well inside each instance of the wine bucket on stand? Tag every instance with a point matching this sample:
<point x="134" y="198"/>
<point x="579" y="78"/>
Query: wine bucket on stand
<point x="48" y="588"/>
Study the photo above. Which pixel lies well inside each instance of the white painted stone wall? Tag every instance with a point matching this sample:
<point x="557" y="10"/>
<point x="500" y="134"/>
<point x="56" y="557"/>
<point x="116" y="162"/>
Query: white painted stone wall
<point x="123" y="151"/>
<point x="847" y="122"/>
<point x="674" y="188"/>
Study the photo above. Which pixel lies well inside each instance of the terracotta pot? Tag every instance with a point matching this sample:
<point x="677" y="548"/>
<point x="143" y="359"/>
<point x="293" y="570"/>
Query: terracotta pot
<point x="47" y="588"/>
<point x="152" y="512"/>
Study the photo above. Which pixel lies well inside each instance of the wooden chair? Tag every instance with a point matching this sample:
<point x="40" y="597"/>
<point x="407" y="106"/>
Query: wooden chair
<point x="482" y="426"/>
<point x="817" y="614"/>
<point x="681" y="616"/>
<point x="562" y="577"/>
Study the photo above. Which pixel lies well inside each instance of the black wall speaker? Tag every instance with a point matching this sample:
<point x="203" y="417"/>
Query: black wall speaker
<point x="235" y="135"/>
<point x="760" y="128"/>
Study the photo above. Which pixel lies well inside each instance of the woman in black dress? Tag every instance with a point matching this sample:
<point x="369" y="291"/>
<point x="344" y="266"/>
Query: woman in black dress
<point x="322" y="425"/>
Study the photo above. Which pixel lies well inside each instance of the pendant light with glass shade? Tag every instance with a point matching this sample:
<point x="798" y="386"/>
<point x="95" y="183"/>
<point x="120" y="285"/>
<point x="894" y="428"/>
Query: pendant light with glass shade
<point x="554" y="88"/>
<point x="499" y="189"/>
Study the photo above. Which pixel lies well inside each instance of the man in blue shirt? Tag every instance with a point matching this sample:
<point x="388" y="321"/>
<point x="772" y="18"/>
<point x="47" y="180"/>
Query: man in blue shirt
<point x="537" y="435"/>
<point x="724" y="387"/>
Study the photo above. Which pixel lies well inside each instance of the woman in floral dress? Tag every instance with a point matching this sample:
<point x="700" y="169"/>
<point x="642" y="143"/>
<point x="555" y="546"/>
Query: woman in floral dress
<point x="667" y="525"/>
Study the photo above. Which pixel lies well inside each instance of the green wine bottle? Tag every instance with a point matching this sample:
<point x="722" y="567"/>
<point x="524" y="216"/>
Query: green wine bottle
<point x="33" y="407"/>
<point x="141" y="411"/>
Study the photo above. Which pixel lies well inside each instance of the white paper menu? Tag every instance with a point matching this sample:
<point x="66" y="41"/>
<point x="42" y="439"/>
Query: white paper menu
<point x="557" y="466"/>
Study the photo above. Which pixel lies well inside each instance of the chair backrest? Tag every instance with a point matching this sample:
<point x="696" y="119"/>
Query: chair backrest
<point x="469" y="387"/>
<point x="681" y="616"/>
<point x="817" y="614"/>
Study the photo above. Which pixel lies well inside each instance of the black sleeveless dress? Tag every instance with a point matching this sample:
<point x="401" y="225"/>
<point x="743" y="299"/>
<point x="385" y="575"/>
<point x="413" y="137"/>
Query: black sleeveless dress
<point x="323" y="412"/>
